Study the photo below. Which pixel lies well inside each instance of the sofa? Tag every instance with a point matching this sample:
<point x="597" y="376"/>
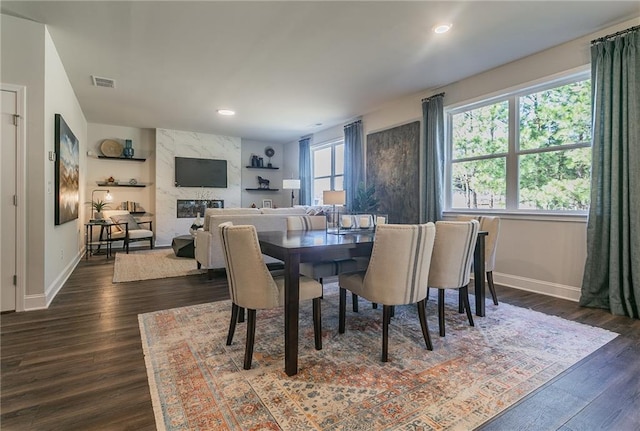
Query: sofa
<point x="208" y="249"/>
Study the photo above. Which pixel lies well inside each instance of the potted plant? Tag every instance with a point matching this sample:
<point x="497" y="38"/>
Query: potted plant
<point x="365" y="200"/>
<point x="97" y="207"/>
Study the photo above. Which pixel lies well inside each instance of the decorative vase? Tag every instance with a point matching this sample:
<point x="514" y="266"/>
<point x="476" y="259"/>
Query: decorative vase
<point x="128" y="149"/>
<point x="196" y="225"/>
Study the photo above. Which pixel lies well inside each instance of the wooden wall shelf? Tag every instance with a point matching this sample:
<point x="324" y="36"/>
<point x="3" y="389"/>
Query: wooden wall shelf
<point x="261" y="167"/>
<point x="263" y="190"/>
<point x="105" y="184"/>
<point x="132" y="159"/>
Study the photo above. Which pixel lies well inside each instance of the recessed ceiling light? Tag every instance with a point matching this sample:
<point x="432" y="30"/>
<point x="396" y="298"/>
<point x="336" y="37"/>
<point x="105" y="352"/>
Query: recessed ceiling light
<point x="226" y="112"/>
<point x="442" y="28"/>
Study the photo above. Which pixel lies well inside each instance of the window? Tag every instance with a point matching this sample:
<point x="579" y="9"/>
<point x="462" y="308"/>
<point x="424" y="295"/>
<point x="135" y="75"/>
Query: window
<point x="527" y="151"/>
<point x="327" y="165"/>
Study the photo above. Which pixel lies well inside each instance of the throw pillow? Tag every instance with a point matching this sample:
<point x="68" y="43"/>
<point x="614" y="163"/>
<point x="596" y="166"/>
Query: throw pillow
<point x="126" y="218"/>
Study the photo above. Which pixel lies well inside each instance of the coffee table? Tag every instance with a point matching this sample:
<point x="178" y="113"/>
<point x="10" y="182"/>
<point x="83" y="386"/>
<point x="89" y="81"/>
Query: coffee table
<point x="183" y="246"/>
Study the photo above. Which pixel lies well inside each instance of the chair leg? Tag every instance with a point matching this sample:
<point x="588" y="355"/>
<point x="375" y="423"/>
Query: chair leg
<point x="441" y="311"/>
<point x="374" y="305"/>
<point x="151" y="243"/>
<point x="465" y="291"/>
<point x="321" y="284"/>
<point x="232" y="324"/>
<point x="354" y="300"/>
<point x="492" y="287"/>
<point x="317" y="323"/>
<point x="251" y="335"/>
<point x="422" y="314"/>
<point x="240" y="314"/>
<point x="386" y="316"/>
<point x="460" y="302"/>
<point x="342" y="310"/>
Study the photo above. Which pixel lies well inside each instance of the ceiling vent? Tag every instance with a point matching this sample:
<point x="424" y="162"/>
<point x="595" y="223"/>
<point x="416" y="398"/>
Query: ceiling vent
<point x="103" y="82"/>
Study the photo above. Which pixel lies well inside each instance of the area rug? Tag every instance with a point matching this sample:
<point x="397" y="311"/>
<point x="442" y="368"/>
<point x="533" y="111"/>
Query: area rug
<point x="474" y="373"/>
<point x="151" y="264"/>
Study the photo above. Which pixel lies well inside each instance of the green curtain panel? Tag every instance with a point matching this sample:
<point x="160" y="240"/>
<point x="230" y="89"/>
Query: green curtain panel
<point x="433" y="123"/>
<point x="353" y="160"/>
<point x="612" y="270"/>
<point x="304" y="161"/>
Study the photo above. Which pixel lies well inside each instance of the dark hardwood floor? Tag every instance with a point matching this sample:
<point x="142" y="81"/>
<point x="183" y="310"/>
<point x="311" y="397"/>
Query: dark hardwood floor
<point x="79" y="365"/>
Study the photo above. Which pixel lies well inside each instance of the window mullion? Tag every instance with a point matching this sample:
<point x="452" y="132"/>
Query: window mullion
<point x="512" y="157"/>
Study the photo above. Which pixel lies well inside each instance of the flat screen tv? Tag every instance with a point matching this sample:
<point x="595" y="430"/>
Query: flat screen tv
<point x="192" y="172"/>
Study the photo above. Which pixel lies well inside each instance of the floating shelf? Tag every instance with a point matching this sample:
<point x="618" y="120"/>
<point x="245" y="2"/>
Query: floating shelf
<point x="105" y="184"/>
<point x="263" y="190"/>
<point x="134" y="159"/>
<point x="261" y="167"/>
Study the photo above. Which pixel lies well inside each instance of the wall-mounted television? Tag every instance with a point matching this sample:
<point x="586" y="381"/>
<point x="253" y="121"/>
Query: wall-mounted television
<point x="192" y="172"/>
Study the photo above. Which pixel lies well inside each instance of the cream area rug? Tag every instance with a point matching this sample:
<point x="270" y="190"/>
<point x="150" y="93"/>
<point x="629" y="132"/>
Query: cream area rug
<point x="474" y="373"/>
<point x="151" y="264"/>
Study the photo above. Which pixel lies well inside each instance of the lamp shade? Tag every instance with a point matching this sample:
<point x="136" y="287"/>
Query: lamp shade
<point x="334" y="197"/>
<point x="291" y="184"/>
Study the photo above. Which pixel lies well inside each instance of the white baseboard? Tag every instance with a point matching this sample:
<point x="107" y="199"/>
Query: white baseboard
<point x="40" y="301"/>
<point x="556" y="290"/>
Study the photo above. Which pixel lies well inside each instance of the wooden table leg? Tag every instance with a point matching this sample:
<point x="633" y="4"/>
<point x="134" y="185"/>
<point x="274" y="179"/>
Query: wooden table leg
<point x="291" y="310"/>
<point x="478" y="274"/>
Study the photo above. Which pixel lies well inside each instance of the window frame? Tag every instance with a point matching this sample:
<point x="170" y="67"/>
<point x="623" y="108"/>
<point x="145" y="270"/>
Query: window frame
<point x="321" y="146"/>
<point x="513" y="153"/>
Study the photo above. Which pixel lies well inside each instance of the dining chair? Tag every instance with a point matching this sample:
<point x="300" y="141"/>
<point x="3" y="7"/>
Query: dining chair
<point x="327" y="268"/>
<point x="451" y="262"/>
<point x="253" y="287"/>
<point x="397" y="274"/>
<point x="491" y="225"/>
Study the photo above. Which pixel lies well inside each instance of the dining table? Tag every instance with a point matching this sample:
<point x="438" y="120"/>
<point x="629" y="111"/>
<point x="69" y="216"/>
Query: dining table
<point x="295" y="247"/>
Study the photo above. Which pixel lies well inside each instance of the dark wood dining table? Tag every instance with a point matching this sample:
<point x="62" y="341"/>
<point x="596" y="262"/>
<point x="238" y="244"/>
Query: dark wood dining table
<point x="294" y="247"/>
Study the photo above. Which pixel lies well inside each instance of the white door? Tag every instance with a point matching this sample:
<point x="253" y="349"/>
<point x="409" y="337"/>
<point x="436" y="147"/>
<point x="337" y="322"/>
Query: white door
<point x="7" y="202"/>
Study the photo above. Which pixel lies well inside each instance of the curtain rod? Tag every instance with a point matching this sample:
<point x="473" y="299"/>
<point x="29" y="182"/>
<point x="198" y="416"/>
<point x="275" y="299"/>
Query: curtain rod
<point x="611" y="36"/>
<point x="433" y="97"/>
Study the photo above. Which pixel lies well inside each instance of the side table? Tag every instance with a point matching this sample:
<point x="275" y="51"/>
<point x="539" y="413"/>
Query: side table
<point x="89" y="243"/>
<point x="183" y="246"/>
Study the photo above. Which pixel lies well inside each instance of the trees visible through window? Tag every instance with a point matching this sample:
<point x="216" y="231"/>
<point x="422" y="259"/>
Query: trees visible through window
<point x="527" y="151"/>
<point x="327" y="164"/>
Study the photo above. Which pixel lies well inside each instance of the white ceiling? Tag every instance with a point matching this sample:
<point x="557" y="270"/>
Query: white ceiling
<point x="286" y="66"/>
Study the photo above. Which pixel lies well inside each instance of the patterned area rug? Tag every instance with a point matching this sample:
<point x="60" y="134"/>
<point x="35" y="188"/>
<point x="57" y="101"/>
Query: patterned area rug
<point x="151" y="264"/>
<point x="197" y="382"/>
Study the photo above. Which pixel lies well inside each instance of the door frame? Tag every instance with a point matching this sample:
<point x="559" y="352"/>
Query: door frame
<point x="21" y="191"/>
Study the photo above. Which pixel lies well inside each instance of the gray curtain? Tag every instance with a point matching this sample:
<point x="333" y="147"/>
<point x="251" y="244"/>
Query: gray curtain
<point x="612" y="270"/>
<point x="353" y="160"/>
<point x="305" y="171"/>
<point x="433" y="123"/>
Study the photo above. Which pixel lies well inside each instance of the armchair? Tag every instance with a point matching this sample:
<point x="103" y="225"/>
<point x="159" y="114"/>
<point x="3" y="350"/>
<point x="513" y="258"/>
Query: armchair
<point x="128" y="229"/>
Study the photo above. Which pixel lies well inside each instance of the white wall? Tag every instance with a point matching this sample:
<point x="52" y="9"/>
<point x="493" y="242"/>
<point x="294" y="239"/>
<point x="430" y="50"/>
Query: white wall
<point x="29" y="58"/>
<point x="281" y="198"/>
<point x="171" y="143"/>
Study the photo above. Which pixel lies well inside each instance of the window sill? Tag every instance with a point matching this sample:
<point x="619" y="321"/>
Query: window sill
<point x="523" y="215"/>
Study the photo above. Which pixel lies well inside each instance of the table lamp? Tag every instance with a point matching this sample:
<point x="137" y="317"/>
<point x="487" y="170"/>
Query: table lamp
<point x="334" y="197"/>
<point x="292" y="185"/>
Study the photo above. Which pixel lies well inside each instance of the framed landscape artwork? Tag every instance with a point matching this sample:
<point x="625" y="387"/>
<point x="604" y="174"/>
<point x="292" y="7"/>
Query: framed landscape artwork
<point x="393" y="167"/>
<point x="67" y="172"/>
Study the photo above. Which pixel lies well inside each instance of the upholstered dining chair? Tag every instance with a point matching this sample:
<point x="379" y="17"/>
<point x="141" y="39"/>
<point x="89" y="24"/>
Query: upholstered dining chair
<point x="397" y="274"/>
<point x="253" y="287"/>
<point x="451" y="262"/>
<point x="491" y="225"/>
<point x="129" y="229"/>
<point x="329" y="268"/>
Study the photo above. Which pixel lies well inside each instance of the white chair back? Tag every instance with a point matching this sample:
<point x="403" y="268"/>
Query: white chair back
<point x="453" y="253"/>
<point x="250" y="282"/>
<point x="306" y="222"/>
<point x="491" y="225"/>
<point x="399" y="266"/>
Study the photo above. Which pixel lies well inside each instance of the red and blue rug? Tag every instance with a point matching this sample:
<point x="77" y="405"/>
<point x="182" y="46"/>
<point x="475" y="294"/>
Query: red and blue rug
<point x="474" y="373"/>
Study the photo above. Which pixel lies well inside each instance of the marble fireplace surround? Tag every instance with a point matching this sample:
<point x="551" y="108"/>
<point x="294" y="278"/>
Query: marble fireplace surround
<point x="172" y="143"/>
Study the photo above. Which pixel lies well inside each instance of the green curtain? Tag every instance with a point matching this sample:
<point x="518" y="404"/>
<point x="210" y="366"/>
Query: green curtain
<point x="612" y="270"/>
<point x="433" y="123"/>
<point x="353" y="160"/>
<point x="304" y="166"/>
